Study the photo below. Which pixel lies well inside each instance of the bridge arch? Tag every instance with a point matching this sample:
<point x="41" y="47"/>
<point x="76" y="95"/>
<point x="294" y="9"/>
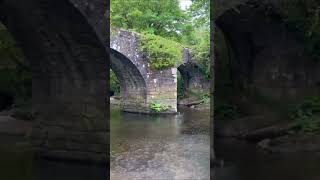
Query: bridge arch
<point x="147" y="85"/>
<point x="193" y="78"/>
<point x="68" y="62"/>
<point x="266" y="57"/>
<point x="133" y="88"/>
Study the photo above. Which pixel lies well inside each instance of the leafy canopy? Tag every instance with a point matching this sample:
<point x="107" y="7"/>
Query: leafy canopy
<point x="162" y="52"/>
<point x="166" y="28"/>
<point x="159" y="17"/>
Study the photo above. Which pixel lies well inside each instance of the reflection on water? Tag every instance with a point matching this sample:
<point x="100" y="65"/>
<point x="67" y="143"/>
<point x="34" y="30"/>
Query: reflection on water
<point x="160" y="147"/>
<point x="142" y="147"/>
<point x="244" y="161"/>
<point x="18" y="163"/>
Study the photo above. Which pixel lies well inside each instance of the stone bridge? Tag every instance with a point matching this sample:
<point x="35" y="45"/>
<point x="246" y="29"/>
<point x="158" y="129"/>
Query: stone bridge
<point x="65" y="42"/>
<point x="265" y="56"/>
<point x="140" y="85"/>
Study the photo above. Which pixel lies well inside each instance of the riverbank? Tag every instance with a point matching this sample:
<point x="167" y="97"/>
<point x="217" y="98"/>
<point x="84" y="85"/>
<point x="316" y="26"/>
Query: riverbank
<point x="244" y="161"/>
<point x="269" y="134"/>
<point x="192" y="103"/>
<point x="159" y="147"/>
<point x="115" y="101"/>
<point x="10" y="124"/>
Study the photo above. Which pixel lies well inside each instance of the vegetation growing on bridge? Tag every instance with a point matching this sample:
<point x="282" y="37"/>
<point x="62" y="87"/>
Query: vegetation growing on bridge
<point x="166" y="29"/>
<point x="157" y="107"/>
<point x="162" y="53"/>
<point x="165" y="26"/>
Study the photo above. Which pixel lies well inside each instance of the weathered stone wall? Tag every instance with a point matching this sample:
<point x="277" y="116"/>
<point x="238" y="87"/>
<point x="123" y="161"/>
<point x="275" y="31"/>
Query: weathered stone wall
<point x="194" y="80"/>
<point x="65" y="42"/>
<point x="146" y="86"/>
<point x="266" y="57"/>
<point x="68" y="60"/>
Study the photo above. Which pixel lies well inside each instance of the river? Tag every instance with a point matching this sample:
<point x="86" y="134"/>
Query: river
<point x="244" y="161"/>
<point x="174" y="147"/>
<point x="150" y="147"/>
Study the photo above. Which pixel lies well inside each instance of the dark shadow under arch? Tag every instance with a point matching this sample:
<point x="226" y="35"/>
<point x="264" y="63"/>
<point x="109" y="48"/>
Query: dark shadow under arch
<point x="266" y="55"/>
<point x="131" y="81"/>
<point x="69" y="68"/>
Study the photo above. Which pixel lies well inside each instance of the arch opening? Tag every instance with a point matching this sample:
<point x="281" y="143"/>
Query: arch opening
<point x="15" y="72"/>
<point x="260" y="70"/>
<point x="265" y="55"/>
<point x="193" y="79"/>
<point x="133" y="88"/>
<point x="68" y="65"/>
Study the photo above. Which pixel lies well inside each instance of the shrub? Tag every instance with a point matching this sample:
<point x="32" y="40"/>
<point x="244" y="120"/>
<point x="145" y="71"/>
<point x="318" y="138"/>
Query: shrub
<point x="157" y="107"/>
<point x="162" y="53"/>
<point x="306" y="114"/>
<point x="205" y="98"/>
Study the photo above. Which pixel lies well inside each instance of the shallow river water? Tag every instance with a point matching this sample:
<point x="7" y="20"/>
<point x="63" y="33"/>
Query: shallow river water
<point x="172" y="147"/>
<point x="244" y="161"/>
<point x="175" y="147"/>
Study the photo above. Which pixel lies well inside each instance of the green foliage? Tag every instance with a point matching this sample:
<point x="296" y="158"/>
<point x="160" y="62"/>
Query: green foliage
<point x="199" y="38"/>
<point x="200" y="9"/>
<point x="303" y="17"/>
<point x="205" y="98"/>
<point x="201" y="51"/>
<point x="166" y="19"/>
<point x="15" y="72"/>
<point x="157" y="107"/>
<point x="162" y="53"/>
<point x="180" y="86"/>
<point x="306" y="115"/>
<point x="114" y="83"/>
<point x="163" y="18"/>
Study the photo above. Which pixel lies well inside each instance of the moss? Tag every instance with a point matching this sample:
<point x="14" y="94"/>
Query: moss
<point x="162" y="53"/>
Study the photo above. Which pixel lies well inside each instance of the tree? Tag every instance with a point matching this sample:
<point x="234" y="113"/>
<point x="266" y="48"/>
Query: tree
<point x="303" y="17"/>
<point x="200" y="10"/>
<point x="163" y="18"/>
<point x="200" y="37"/>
